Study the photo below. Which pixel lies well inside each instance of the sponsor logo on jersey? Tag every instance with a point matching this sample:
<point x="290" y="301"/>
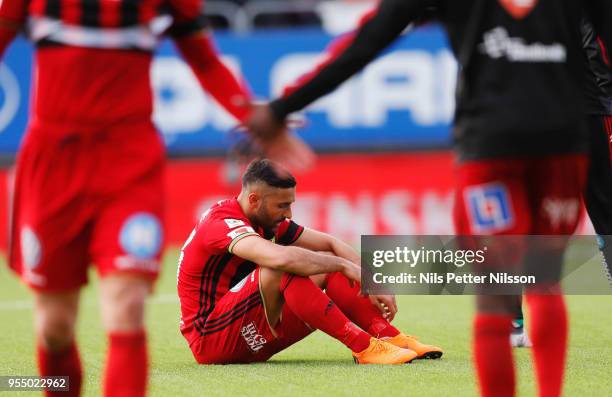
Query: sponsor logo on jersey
<point x="232" y="223"/>
<point x="240" y="231"/>
<point x="561" y="211"/>
<point x="497" y="44"/>
<point x="518" y="8"/>
<point x="489" y="208"/>
<point x="141" y="236"/>
<point x="253" y="338"/>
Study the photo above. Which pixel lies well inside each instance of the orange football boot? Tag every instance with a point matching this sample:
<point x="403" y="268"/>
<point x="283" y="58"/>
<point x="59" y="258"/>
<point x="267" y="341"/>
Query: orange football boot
<point x="411" y="342"/>
<point x="381" y="352"/>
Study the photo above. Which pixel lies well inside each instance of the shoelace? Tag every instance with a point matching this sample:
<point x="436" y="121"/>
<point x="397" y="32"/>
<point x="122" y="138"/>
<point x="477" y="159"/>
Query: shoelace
<point x="380" y="346"/>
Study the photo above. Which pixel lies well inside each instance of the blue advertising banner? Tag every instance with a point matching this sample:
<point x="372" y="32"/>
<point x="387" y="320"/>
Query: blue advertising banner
<point x="403" y="100"/>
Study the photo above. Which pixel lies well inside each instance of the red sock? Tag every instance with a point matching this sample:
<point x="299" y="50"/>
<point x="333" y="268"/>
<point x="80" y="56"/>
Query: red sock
<point x="315" y="308"/>
<point x="493" y="355"/>
<point x="548" y="330"/>
<point x="358" y="308"/>
<point x="63" y="363"/>
<point x="126" y="365"/>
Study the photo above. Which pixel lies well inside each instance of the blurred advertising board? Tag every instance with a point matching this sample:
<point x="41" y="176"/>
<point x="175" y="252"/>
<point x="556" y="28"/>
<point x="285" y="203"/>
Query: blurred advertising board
<point x="403" y="100"/>
<point x="344" y="194"/>
<point x="347" y="195"/>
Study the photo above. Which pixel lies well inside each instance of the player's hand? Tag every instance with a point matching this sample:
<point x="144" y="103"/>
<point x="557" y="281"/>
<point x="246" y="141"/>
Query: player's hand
<point x="289" y="150"/>
<point x="352" y="272"/>
<point x="262" y="123"/>
<point x="386" y="304"/>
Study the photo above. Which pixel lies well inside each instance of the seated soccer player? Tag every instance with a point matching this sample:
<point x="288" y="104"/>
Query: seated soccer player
<point x="252" y="282"/>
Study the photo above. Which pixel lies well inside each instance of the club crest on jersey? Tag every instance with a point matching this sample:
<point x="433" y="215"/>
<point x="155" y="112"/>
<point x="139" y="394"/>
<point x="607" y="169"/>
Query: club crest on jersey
<point x="519" y="9"/>
<point x="489" y="208"/>
<point x="141" y="236"/>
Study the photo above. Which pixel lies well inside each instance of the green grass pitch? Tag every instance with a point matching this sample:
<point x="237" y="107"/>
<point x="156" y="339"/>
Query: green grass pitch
<point x="317" y="366"/>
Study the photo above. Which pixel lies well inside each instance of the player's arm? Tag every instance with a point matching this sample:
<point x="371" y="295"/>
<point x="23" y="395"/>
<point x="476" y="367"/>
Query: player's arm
<point x="194" y="41"/>
<point x="333" y="50"/>
<point x="384" y="27"/>
<point x="315" y="240"/>
<point x="600" y="14"/>
<point x="391" y="18"/>
<point x="318" y="241"/>
<point x="12" y="18"/>
<point x="292" y="259"/>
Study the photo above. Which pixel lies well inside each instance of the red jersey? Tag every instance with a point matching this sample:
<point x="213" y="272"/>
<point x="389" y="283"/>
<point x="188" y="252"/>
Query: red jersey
<point x="93" y="57"/>
<point x="207" y="268"/>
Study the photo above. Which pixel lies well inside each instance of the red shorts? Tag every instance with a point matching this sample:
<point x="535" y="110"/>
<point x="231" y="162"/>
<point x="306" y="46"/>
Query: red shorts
<point x="532" y="196"/>
<point x="237" y="330"/>
<point x="85" y="196"/>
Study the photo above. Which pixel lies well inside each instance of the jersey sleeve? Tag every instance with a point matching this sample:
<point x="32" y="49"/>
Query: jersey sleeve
<point x="188" y="17"/>
<point x="220" y="234"/>
<point x="376" y="34"/>
<point x="288" y="232"/>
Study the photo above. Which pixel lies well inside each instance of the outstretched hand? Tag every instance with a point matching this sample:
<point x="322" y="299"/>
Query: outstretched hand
<point x="262" y="123"/>
<point x="276" y="142"/>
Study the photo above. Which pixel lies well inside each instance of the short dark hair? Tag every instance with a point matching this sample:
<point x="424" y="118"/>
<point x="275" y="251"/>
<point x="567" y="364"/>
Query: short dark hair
<point x="264" y="170"/>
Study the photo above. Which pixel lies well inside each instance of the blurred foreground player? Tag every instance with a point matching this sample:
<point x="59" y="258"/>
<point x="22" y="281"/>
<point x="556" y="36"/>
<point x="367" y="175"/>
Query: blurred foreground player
<point x="598" y="194"/>
<point x="598" y="197"/>
<point x="89" y="178"/>
<point x="250" y="283"/>
<point x="521" y="140"/>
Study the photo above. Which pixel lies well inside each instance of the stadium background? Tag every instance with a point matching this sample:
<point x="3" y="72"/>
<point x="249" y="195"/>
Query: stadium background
<point x="383" y="137"/>
<point x="384" y="167"/>
<point x="373" y="175"/>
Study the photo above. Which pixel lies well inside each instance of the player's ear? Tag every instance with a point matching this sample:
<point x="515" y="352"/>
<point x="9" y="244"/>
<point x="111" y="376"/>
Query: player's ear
<point x="254" y="199"/>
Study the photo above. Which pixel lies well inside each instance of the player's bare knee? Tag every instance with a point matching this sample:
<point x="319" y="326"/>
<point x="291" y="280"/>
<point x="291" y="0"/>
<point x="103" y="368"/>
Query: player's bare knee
<point x="123" y="303"/>
<point x="55" y="319"/>
<point x="55" y="329"/>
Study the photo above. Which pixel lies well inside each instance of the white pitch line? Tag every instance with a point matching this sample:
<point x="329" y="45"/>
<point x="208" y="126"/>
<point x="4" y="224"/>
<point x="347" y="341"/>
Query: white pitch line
<point x="158" y="299"/>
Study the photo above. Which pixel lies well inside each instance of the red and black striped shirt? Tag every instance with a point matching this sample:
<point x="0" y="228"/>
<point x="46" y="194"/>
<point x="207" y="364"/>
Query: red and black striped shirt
<point x="207" y="267"/>
<point x="116" y="24"/>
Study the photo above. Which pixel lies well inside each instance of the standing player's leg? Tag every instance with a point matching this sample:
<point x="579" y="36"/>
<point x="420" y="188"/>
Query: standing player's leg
<point x="123" y="299"/>
<point x="598" y="196"/>
<point x="519" y="337"/>
<point x="491" y="199"/>
<point x="126" y="246"/>
<point x="556" y="182"/>
<point x="56" y="351"/>
<point x="49" y="242"/>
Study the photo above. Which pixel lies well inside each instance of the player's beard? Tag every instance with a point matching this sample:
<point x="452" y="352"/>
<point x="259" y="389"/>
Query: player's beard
<point x="266" y="221"/>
